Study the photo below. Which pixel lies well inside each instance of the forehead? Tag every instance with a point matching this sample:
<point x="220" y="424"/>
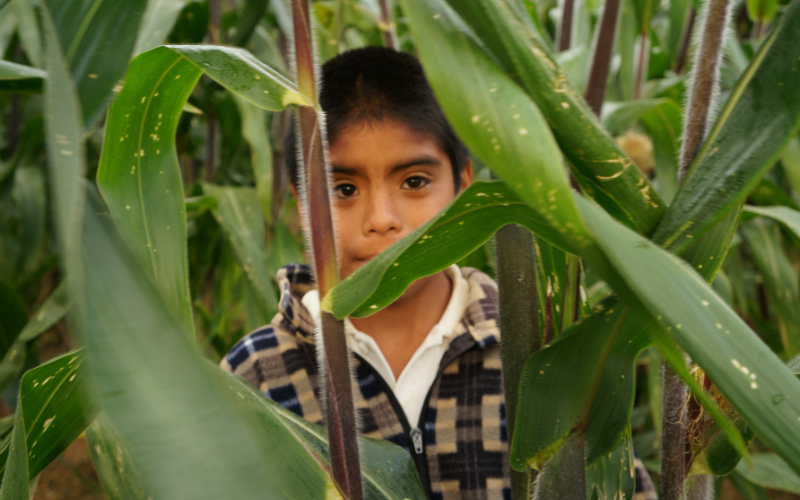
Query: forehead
<point x="383" y="145"/>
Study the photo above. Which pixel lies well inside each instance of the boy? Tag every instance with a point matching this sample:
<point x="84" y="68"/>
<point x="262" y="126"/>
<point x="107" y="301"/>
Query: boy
<point x="428" y="366"/>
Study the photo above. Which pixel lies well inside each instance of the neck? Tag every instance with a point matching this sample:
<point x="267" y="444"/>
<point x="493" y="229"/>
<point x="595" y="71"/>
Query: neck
<point x="400" y="328"/>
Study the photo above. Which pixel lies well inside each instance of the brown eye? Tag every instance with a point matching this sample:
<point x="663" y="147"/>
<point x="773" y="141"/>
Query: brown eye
<point x="416" y="182"/>
<point x="346" y="190"/>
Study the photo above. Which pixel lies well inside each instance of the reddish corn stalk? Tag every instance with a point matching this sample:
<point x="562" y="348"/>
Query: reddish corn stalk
<point x="601" y="63"/>
<point x="340" y="411"/>
<point x="565" y="36"/>
<point x="705" y="80"/>
<point x="387" y="25"/>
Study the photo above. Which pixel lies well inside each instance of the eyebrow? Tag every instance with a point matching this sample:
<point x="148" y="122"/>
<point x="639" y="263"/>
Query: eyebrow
<point x="423" y="160"/>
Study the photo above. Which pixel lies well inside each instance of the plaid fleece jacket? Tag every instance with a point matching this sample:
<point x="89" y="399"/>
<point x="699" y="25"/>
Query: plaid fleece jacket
<point x="460" y="444"/>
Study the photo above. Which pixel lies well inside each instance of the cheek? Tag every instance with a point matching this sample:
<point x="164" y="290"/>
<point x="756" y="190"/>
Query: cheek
<point x="420" y="211"/>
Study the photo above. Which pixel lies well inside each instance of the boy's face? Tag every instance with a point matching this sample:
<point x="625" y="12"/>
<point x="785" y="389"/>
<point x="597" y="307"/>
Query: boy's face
<point x="388" y="180"/>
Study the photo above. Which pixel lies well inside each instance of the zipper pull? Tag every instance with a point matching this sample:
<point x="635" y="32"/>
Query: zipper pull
<point x="416" y="438"/>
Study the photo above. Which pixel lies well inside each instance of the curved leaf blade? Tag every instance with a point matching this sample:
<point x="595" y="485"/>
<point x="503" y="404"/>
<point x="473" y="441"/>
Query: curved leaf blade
<point x="561" y="380"/>
<point x="606" y="173"/>
<point x="97" y="38"/>
<point x="672" y="298"/>
<point x="494" y="116"/>
<point x="56" y="407"/>
<point x="761" y="115"/>
<point x="770" y="471"/>
<point x="465" y="225"/>
<point x="139" y="175"/>
<point x="18" y="78"/>
<point x="241" y="219"/>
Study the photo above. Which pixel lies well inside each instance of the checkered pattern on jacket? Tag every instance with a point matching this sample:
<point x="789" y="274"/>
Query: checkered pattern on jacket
<point x="463" y="426"/>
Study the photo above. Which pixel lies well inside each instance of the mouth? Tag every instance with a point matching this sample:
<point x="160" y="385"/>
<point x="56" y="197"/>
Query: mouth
<point x="366" y="258"/>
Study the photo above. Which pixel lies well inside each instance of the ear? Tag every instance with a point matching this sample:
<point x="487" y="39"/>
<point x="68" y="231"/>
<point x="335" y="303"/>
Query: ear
<point x="466" y="176"/>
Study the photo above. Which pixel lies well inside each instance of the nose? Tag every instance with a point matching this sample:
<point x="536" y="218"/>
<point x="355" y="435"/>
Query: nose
<point x="382" y="216"/>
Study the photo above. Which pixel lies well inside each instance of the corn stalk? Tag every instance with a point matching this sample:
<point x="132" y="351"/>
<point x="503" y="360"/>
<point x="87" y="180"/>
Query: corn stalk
<point x="340" y="412"/>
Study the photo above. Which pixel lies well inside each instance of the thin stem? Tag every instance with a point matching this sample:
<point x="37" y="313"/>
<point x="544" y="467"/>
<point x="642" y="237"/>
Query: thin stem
<point x="519" y="322"/>
<point x="680" y="63"/>
<point x="215" y="13"/>
<point x="673" y="394"/>
<point x="387" y="25"/>
<point x="211" y="138"/>
<point x="565" y="36"/>
<point x="705" y="80"/>
<point x="601" y="63"/>
<point x="640" y="70"/>
<point x="340" y="410"/>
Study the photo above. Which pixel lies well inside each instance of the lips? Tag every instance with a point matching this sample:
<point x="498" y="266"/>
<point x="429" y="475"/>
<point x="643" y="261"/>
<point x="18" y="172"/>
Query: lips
<point x="366" y="258"/>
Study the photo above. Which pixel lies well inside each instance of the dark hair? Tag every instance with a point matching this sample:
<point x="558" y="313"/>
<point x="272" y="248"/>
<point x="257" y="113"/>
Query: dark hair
<point x="372" y="83"/>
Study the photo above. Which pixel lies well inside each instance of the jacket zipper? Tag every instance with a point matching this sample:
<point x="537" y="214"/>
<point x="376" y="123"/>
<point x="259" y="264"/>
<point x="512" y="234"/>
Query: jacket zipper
<point x="414" y="435"/>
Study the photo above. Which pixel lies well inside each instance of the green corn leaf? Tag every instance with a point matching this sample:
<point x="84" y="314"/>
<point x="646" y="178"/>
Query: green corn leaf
<point x="748" y="490"/>
<point x="770" y="471"/>
<point x="139" y="174"/>
<point x="786" y="216"/>
<point x="241" y="219"/>
<point x="612" y="405"/>
<point x="157" y="21"/>
<point x="720" y="457"/>
<point x="18" y="78"/>
<point x="664" y="124"/>
<point x="220" y="418"/>
<point x="28" y="31"/>
<point x="97" y="40"/>
<point x="388" y="471"/>
<point x="184" y="434"/>
<point x="678" y="301"/>
<point x="52" y="310"/>
<point x="112" y="461"/>
<point x="768" y="193"/>
<point x="678" y="18"/>
<point x="254" y="131"/>
<point x="495" y="118"/>
<point x="29" y="192"/>
<point x="761" y="11"/>
<point x="605" y="172"/>
<point x="613" y="475"/>
<point x="620" y="116"/>
<point x="15" y="478"/>
<point x="780" y="278"/>
<point x="560" y="380"/>
<point x="762" y="113"/>
<point x="55" y="408"/>
<point x="63" y="140"/>
<point x="470" y="220"/>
